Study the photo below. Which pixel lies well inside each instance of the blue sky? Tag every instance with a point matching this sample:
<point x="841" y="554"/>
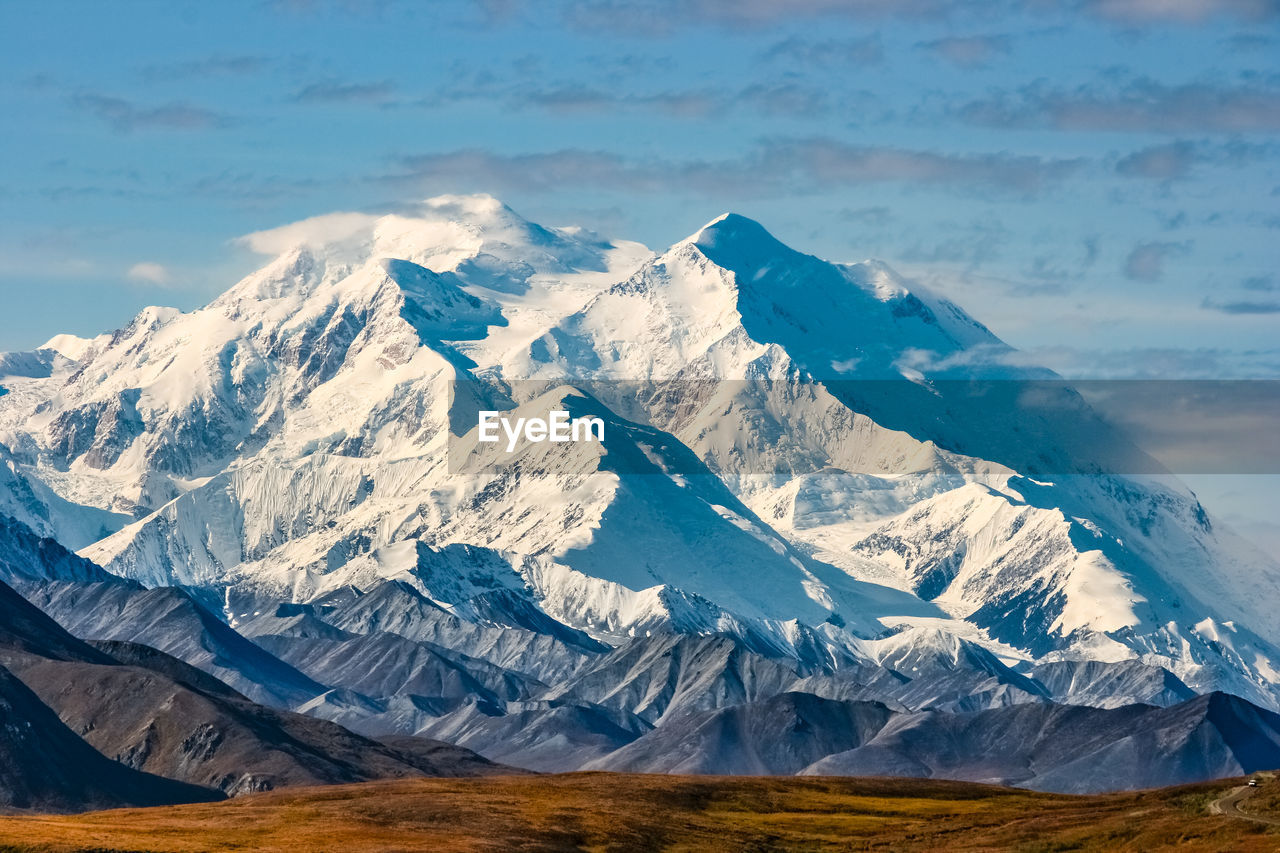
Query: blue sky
<point x="1099" y="181"/>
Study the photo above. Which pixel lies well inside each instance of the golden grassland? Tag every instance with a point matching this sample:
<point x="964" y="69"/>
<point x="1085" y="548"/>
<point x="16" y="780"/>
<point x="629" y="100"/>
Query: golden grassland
<point x="614" y="812"/>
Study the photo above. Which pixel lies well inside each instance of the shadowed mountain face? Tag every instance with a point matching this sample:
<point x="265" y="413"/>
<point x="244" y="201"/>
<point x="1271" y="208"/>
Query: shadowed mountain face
<point x="1046" y="747"/>
<point x="781" y="735"/>
<point x="44" y="766"/>
<point x="709" y="705"/>
<point x="151" y="712"/>
<point x="396" y="607"/>
<point x="667" y="676"/>
<point x="25" y="630"/>
<point x="27" y="556"/>
<point x="1073" y="749"/>
<point x="173" y="621"/>
<point x="550" y="737"/>
<point x="146" y="720"/>
<point x="1110" y="685"/>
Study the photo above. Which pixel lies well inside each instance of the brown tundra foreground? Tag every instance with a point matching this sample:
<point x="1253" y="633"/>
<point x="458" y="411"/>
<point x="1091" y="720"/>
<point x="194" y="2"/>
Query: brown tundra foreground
<point x="612" y="812"/>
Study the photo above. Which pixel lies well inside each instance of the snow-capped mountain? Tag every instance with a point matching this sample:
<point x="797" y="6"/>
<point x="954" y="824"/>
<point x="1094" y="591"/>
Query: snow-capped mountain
<point x="794" y="456"/>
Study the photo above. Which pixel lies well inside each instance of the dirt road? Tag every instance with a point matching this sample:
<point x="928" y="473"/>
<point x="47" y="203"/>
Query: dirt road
<point x="1229" y="805"/>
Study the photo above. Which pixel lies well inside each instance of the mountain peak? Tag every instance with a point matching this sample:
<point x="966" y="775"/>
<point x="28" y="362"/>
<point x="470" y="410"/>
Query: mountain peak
<point x="68" y="346"/>
<point x="474" y="206"/>
<point x="735" y="242"/>
<point x="730" y="222"/>
<point x="477" y="236"/>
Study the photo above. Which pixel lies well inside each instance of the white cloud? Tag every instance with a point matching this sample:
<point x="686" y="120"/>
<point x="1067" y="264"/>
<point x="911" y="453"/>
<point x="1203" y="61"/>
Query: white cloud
<point x="1181" y="11"/>
<point x="316" y="231"/>
<point x="149" y="272"/>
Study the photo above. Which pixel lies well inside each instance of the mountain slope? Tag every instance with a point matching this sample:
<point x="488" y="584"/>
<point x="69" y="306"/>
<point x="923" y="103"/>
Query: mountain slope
<point x="172" y="621"/>
<point x="400" y="609"/>
<point x="778" y="736"/>
<point x="144" y="719"/>
<point x="665" y="676"/>
<point x="1073" y="749"/>
<point x="26" y="556"/>
<point x="382" y="664"/>
<point x="1110" y="685"/>
<point x="45" y="767"/>
<point x="549" y="737"/>
<point x="156" y="714"/>
<point x="25" y="630"/>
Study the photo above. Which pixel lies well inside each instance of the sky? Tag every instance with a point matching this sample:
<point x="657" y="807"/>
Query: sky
<point x="1096" y="180"/>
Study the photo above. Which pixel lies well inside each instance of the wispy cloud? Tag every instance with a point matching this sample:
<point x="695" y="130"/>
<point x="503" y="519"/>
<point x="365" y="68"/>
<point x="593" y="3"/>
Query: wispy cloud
<point x="78" y="192"/>
<point x="207" y="67"/>
<point x="828" y="53"/>
<point x="1181" y="11"/>
<point x="1160" y="363"/>
<point x="771" y="167"/>
<point x="1174" y="160"/>
<point x="1160" y="162"/>
<point x="666" y="17"/>
<point x="1251" y="42"/>
<point x="1250" y="303"/>
<point x="968" y="51"/>
<point x="318" y="230"/>
<point x="1242" y="306"/>
<point x="251" y="188"/>
<point x="1141" y="105"/>
<point x="969" y="244"/>
<point x="578" y="98"/>
<point x="1145" y="261"/>
<point x="784" y="97"/>
<point x="663" y="17"/>
<point x="830" y="160"/>
<point x="338" y="91"/>
<point x="125" y="115"/>
<point x="1056" y="272"/>
<point x="877" y="216"/>
<point x="790" y="99"/>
